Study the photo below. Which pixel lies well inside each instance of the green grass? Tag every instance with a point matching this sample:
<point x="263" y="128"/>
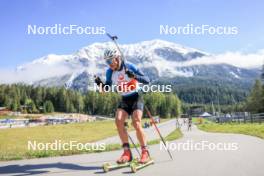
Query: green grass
<point x="254" y="129"/>
<point x="195" y="120"/>
<point x="176" y="134"/>
<point x="7" y="117"/>
<point x="14" y="141"/>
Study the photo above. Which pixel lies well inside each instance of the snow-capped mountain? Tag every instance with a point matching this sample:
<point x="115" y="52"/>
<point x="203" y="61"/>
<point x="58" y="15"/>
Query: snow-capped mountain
<point x="157" y="58"/>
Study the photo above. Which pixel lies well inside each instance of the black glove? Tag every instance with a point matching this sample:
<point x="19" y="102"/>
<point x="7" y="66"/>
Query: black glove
<point x="97" y="80"/>
<point x="130" y="74"/>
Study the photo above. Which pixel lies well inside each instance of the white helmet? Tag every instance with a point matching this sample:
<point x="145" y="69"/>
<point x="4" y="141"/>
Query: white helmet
<point x="110" y="54"/>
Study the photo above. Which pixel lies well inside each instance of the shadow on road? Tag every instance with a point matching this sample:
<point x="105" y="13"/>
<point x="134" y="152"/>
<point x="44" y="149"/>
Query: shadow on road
<point x="40" y="168"/>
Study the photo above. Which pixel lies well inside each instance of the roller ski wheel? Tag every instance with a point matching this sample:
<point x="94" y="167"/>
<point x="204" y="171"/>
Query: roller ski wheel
<point x="113" y="166"/>
<point x="135" y="166"/>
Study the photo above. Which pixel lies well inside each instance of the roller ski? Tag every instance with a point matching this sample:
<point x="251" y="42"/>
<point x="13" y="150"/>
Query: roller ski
<point x="135" y="166"/>
<point x="124" y="161"/>
<point x="113" y="166"/>
<point x="144" y="161"/>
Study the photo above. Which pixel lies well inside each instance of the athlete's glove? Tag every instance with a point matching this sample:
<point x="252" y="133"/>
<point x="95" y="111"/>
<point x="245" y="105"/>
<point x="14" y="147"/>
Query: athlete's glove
<point x="130" y="74"/>
<point x="97" y="80"/>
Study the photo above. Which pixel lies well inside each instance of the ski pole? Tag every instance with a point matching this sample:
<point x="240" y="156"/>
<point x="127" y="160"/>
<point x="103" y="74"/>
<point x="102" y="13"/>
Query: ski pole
<point x="114" y="38"/>
<point x="130" y="138"/>
<point x="153" y="122"/>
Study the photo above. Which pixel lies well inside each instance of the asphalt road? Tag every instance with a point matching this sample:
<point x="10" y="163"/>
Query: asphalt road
<point x="151" y="134"/>
<point x="245" y="159"/>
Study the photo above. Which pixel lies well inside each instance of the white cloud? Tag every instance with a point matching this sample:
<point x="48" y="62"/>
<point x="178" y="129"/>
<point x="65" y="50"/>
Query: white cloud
<point x="238" y="59"/>
<point x="33" y="74"/>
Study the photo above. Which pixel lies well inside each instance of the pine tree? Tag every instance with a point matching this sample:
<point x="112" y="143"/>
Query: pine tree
<point x="48" y="107"/>
<point x="255" y="99"/>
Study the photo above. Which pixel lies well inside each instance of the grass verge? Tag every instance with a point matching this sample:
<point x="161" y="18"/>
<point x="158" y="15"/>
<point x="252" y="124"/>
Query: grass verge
<point x="176" y="134"/>
<point x="254" y="129"/>
<point x="14" y="141"/>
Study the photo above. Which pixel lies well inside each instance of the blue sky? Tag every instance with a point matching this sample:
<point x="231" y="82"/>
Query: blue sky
<point x="132" y="21"/>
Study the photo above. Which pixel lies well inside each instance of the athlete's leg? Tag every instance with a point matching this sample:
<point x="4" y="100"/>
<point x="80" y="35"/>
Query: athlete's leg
<point x="121" y="116"/>
<point x="137" y="116"/>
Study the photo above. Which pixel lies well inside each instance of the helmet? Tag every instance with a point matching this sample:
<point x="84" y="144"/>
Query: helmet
<point x="110" y="54"/>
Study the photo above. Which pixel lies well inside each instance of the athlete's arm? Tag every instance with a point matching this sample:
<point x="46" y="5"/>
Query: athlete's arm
<point x="108" y="82"/>
<point x="108" y="77"/>
<point x="139" y="75"/>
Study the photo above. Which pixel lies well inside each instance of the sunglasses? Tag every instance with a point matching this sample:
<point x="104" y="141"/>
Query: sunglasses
<point x="109" y="61"/>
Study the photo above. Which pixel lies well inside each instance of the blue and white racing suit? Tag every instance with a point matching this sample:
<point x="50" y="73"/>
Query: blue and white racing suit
<point x="127" y="87"/>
